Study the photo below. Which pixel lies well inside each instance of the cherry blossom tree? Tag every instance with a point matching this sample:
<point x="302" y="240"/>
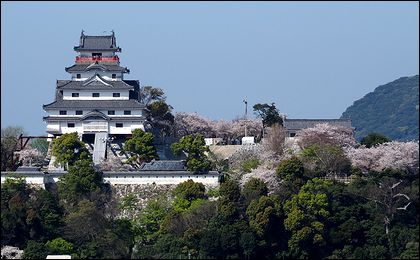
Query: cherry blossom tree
<point x="266" y="174"/>
<point x="30" y="156"/>
<point x="392" y="155"/>
<point x="189" y="124"/>
<point x="326" y="134"/>
<point x="114" y="164"/>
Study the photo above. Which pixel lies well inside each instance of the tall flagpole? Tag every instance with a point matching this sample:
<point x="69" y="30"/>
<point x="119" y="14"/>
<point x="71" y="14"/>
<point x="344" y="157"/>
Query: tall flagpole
<point x="246" y="112"/>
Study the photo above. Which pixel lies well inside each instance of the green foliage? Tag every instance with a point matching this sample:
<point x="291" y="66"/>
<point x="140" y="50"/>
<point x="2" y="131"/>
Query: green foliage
<point x="35" y="250"/>
<point x="141" y="148"/>
<point x="40" y="144"/>
<point x="195" y="148"/>
<point x="411" y="251"/>
<point x="128" y="202"/>
<point x="79" y="183"/>
<point x="254" y="189"/>
<point x="290" y="169"/>
<point x="391" y="109"/>
<point x="230" y="191"/>
<point x="9" y="140"/>
<point x="250" y="164"/>
<point x="321" y="160"/>
<point x="160" y="117"/>
<point x="14" y="198"/>
<point x="306" y="214"/>
<point x="269" y="114"/>
<point x="374" y="139"/>
<point x="188" y="194"/>
<point x="59" y="246"/>
<point x="263" y="213"/>
<point x="68" y="149"/>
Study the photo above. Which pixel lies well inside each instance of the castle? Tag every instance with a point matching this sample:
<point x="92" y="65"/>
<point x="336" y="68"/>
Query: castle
<point x="97" y="102"/>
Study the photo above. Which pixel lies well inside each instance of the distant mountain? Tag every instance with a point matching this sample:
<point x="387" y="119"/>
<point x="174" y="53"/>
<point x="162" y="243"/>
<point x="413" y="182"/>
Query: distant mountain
<point x="391" y="109"/>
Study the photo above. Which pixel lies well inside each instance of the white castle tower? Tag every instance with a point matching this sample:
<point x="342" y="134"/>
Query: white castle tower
<point x="96" y="102"/>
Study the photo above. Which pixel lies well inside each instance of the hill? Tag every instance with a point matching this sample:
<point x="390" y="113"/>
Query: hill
<point x="391" y="109"/>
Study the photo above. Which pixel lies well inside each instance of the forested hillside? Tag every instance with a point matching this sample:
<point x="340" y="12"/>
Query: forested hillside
<point x="391" y="109"/>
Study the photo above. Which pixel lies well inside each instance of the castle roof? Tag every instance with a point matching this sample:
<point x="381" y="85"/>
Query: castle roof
<point x="97" y="43"/>
<point x="95" y="104"/>
<point x="104" y="67"/>
<point x="94" y="82"/>
<point x="297" y="124"/>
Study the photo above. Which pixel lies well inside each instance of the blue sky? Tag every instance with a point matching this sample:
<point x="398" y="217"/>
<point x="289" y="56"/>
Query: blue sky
<point x="313" y="59"/>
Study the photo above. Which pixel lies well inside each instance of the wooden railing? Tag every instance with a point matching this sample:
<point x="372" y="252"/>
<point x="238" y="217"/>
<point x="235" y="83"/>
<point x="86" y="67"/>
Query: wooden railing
<point x="92" y="59"/>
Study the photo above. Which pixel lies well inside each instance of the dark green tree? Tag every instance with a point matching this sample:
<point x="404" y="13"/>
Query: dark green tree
<point x="149" y="94"/>
<point x="195" y="148"/>
<point x="68" y="149"/>
<point x="9" y="141"/>
<point x="306" y="215"/>
<point x="160" y="117"/>
<point x="81" y="181"/>
<point x="254" y="189"/>
<point x="59" y="246"/>
<point x="35" y="250"/>
<point x="141" y="148"/>
<point x="14" y="197"/>
<point x="325" y="160"/>
<point x="187" y="194"/>
<point x="374" y="139"/>
<point x="269" y="114"/>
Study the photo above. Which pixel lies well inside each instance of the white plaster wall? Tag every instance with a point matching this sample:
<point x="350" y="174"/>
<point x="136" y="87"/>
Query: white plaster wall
<point x="128" y="179"/>
<point x="103" y="95"/>
<point x="120" y="113"/>
<point x="53" y="127"/>
<point x="30" y="180"/>
<point x="105" y="74"/>
<point x="127" y="129"/>
<point x="208" y="180"/>
<point x="66" y="130"/>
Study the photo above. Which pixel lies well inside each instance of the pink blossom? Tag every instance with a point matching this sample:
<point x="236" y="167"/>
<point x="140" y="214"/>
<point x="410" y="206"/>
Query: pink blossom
<point x="392" y="155"/>
<point x="326" y="134"/>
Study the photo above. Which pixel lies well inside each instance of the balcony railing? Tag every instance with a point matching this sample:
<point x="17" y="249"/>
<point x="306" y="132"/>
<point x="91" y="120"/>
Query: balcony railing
<point x="95" y="127"/>
<point x="93" y="59"/>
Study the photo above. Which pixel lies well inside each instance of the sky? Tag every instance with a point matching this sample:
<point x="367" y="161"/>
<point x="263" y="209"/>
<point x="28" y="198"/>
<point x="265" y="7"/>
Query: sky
<point x="312" y="59"/>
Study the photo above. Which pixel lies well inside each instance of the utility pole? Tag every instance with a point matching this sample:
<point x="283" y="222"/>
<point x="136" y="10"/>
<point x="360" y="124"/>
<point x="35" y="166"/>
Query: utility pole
<point x="246" y="112"/>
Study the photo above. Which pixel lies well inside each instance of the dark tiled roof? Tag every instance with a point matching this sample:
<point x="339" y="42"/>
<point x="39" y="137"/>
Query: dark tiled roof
<point x="28" y="169"/>
<point x="91" y="83"/>
<point x="103" y="67"/>
<point x="95" y="104"/>
<point x="79" y="118"/>
<point x="163" y="166"/>
<point x="297" y="124"/>
<point x="107" y="42"/>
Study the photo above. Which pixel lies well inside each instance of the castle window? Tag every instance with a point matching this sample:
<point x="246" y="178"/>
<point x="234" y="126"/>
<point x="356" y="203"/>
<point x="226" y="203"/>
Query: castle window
<point x="75" y="94"/>
<point x="114" y="76"/>
<point x="78" y="76"/>
<point x="63" y="112"/>
<point x="127" y="112"/>
<point x="119" y="125"/>
<point x="79" y="112"/>
<point x="95" y="94"/>
<point x="111" y="112"/>
<point x="116" y="94"/>
<point x="292" y="134"/>
<point x="70" y="124"/>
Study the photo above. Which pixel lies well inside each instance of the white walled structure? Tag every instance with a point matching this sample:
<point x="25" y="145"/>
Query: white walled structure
<point x="127" y="178"/>
<point x="97" y="98"/>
